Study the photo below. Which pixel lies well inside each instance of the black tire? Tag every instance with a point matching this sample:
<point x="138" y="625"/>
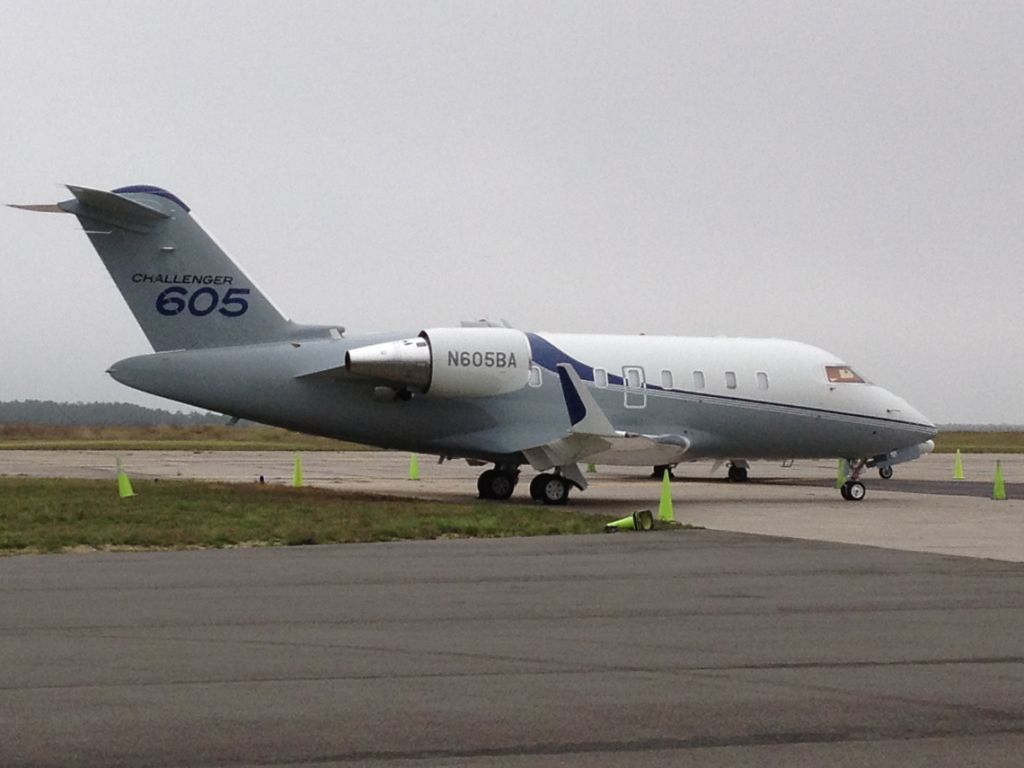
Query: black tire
<point x="495" y="484"/>
<point x="536" y="487"/>
<point x="554" y="491"/>
<point x="844" y="491"/>
<point x="483" y="484"/>
<point x="885" y="473"/>
<point x="855" y="491"/>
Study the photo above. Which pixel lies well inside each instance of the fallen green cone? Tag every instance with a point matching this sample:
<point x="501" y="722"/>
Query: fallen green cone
<point x="638" y="521"/>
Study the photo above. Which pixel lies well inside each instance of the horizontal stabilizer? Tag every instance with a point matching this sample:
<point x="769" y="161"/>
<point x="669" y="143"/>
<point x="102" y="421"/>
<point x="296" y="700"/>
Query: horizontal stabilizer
<point x="43" y="208"/>
<point x="111" y="208"/>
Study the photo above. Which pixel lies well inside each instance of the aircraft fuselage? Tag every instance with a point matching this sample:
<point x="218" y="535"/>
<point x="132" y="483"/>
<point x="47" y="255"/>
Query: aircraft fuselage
<point x="755" y="398"/>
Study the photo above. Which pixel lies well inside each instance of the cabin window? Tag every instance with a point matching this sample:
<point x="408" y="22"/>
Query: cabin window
<point x="698" y="379"/>
<point x="536" y="377"/>
<point x="762" y="380"/>
<point x="666" y="379"/>
<point x="841" y="374"/>
<point x="730" y="379"/>
<point x="600" y="378"/>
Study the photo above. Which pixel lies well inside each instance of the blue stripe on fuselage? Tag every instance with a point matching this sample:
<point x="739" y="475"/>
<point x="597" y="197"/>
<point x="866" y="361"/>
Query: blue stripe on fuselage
<point x="547" y="355"/>
<point x="573" y="401"/>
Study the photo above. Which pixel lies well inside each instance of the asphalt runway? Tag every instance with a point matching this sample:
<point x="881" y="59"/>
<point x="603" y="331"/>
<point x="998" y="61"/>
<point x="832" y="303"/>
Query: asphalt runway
<point x="704" y="648"/>
<point x="678" y="648"/>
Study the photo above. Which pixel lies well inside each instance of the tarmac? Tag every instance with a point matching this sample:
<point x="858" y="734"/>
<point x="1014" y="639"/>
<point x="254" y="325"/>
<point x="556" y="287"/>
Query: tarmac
<point x="926" y="510"/>
<point x="699" y="647"/>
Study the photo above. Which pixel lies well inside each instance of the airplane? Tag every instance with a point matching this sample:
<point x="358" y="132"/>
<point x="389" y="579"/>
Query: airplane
<point x="483" y="392"/>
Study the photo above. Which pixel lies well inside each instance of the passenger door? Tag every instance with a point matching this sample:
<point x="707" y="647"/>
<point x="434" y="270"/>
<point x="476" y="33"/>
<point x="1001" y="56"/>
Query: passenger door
<point x="635" y="386"/>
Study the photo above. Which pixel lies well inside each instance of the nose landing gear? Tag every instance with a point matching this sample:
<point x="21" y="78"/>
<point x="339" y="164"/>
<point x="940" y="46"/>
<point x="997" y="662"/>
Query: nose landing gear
<point x="853" y="489"/>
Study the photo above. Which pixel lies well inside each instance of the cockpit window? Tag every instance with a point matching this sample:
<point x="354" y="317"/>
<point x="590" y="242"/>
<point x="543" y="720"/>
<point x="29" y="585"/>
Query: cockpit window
<point x="840" y="374"/>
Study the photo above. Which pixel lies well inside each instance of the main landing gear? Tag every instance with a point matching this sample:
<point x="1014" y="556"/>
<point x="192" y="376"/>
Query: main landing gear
<point x="550" y="488"/>
<point x="738" y="471"/>
<point x="499" y="484"/>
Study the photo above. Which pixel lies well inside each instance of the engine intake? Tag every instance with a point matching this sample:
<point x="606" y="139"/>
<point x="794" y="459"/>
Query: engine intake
<point x="449" y="362"/>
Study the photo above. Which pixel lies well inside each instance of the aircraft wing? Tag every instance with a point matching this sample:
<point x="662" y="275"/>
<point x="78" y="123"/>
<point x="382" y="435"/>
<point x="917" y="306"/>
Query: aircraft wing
<point x="593" y="438"/>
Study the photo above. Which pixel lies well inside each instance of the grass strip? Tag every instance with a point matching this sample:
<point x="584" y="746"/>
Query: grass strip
<point x="980" y="442"/>
<point x="47" y="515"/>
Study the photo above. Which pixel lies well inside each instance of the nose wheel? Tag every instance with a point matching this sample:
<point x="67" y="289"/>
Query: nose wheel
<point x="853" y="490"/>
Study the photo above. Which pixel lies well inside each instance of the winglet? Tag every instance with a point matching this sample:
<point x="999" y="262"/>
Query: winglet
<point x="585" y="414"/>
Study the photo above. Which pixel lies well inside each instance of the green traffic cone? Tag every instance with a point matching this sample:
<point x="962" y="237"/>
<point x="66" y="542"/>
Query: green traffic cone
<point x="623" y="524"/>
<point x="124" y="485"/>
<point x="958" y="466"/>
<point x="665" y="513"/>
<point x="999" y="487"/>
<point x="414" y="467"/>
<point x="638" y="521"/>
<point x="297" y="476"/>
<point x="841" y="472"/>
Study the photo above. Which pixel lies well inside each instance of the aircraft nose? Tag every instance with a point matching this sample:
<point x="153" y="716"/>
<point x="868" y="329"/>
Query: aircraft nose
<point x="899" y="409"/>
<point x="919" y="418"/>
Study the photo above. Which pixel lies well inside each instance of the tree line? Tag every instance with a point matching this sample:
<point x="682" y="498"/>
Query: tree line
<point x="100" y="415"/>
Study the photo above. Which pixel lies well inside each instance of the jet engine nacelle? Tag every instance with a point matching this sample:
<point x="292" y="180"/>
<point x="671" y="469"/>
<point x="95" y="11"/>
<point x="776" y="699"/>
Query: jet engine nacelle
<point x="449" y="362"/>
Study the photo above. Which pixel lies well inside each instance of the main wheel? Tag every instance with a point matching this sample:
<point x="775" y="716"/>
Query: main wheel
<point x="551" y="489"/>
<point x="853" y="491"/>
<point x="537" y="487"/>
<point x="737" y="474"/>
<point x="885" y="473"/>
<point x="495" y="484"/>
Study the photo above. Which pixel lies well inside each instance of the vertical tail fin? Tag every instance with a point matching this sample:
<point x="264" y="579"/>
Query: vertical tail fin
<point x="183" y="289"/>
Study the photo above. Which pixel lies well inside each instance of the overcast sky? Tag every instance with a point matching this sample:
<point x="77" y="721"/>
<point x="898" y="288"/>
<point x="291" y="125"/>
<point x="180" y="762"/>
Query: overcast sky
<point x="846" y="174"/>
